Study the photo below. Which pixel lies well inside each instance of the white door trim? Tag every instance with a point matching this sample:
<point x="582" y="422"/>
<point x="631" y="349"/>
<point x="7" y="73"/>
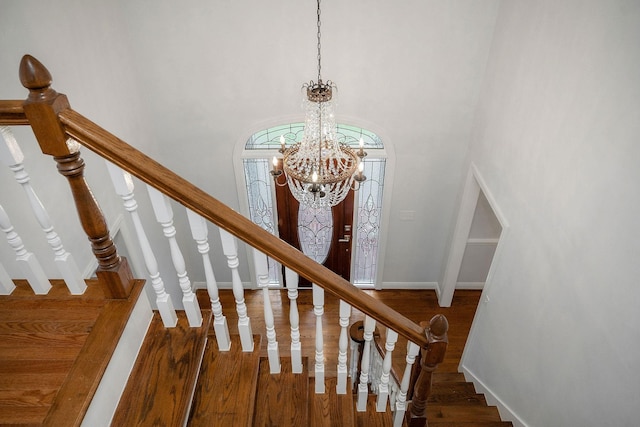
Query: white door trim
<point x="474" y="184"/>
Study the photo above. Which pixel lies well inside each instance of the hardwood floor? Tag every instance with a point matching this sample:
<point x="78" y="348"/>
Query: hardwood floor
<point x="418" y="306"/>
<point x="50" y="362"/>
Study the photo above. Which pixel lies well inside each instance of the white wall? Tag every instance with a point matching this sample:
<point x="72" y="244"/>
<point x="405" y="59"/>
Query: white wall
<point x="557" y="141"/>
<point x="184" y="82"/>
<point x="93" y="71"/>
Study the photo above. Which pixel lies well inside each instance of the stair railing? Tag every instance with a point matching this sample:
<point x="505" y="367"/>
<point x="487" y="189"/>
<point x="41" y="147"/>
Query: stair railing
<point x="59" y="129"/>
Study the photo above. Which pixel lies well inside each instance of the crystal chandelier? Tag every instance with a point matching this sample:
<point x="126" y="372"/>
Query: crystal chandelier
<point x="319" y="169"/>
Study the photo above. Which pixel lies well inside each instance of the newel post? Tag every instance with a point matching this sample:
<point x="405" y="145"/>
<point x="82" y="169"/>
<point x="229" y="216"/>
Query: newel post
<point x="41" y="108"/>
<point x="432" y="356"/>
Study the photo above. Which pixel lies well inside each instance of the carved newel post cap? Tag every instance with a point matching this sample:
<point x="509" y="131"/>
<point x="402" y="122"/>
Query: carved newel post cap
<point x="438" y="326"/>
<point x="33" y="75"/>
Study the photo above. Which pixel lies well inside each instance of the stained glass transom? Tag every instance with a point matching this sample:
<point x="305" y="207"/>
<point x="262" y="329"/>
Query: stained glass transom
<point x="269" y="139"/>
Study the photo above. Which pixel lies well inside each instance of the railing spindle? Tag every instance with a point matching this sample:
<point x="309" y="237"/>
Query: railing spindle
<point x="200" y="233"/>
<point x="230" y="249"/>
<point x="164" y="216"/>
<point x="6" y="284"/>
<point x="26" y="260"/>
<point x="123" y="185"/>
<point x="401" y="399"/>
<point x="13" y="157"/>
<point x="318" y="310"/>
<point x="383" y="387"/>
<point x="343" y="343"/>
<point x="363" y="385"/>
<point x="262" y="274"/>
<point x="294" y="321"/>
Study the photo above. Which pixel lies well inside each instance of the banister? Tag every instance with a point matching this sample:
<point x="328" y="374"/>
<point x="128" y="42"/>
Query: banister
<point x="151" y="172"/>
<point x="12" y="113"/>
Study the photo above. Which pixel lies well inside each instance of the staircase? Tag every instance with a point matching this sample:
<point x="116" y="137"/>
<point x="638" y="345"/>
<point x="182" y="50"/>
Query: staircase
<point x="180" y="375"/>
<point x="50" y="345"/>
<point x="236" y="388"/>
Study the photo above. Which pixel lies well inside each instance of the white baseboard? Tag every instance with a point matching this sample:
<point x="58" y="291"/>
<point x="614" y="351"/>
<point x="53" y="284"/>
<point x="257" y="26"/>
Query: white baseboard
<point x="385" y="285"/>
<point x="410" y="285"/>
<point x="505" y="412"/>
<point x="105" y="401"/>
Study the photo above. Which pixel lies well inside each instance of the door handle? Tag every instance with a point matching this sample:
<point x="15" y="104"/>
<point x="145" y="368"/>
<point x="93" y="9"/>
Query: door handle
<point x="345" y="239"/>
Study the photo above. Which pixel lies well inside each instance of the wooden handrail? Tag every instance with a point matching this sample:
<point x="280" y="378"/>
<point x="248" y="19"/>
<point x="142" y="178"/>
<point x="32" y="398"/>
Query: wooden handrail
<point x="148" y="170"/>
<point x="12" y="113"/>
<point x="56" y="114"/>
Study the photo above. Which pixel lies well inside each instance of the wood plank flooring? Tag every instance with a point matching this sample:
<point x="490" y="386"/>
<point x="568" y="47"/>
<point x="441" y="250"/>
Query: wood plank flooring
<point x="282" y="399"/>
<point x="224" y="376"/>
<point x="418" y="306"/>
<point x="41" y="339"/>
<point x="163" y="379"/>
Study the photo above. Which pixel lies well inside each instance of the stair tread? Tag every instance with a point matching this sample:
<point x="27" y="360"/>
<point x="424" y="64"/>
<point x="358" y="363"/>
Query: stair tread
<point x="371" y="418"/>
<point x="282" y="399"/>
<point x="162" y="381"/>
<point x="226" y="389"/>
<point x="330" y="409"/>
<point x="461" y="413"/>
<point x="455" y="393"/>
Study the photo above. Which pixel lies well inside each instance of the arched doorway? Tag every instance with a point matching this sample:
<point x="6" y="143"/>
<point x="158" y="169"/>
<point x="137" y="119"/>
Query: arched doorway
<point x="367" y="223"/>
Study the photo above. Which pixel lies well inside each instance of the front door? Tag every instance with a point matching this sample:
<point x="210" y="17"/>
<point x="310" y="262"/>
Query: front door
<point x="324" y="235"/>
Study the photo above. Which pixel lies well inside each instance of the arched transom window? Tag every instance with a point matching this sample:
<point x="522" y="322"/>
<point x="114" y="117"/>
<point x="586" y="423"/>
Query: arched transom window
<point x="260" y="194"/>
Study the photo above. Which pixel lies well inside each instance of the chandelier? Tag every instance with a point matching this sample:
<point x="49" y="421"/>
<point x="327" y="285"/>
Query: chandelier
<point x="319" y="170"/>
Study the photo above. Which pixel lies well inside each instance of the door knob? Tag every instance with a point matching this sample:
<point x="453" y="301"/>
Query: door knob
<point x="345" y="239"/>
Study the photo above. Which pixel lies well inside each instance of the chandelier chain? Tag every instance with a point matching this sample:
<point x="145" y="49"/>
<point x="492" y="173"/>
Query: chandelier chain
<point x="319" y="55"/>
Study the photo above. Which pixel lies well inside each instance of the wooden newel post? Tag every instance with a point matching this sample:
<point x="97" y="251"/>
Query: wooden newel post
<point x="432" y="356"/>
<point x="42" y="108"/>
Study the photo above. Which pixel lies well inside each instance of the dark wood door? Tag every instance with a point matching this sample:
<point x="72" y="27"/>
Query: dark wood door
<point x="339" y="257"/>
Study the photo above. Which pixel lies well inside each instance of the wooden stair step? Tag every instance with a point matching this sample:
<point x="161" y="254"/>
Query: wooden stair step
<point x="454" y="377"/>
<point x="282" y="399"/>
<point x="330" y="409"/>
<point x="455" y="393"/>
<point x="163" y="379"/>
<point x="371" y="418"/>
<point x="226" y="390"/>
<point x="461" y="413"/>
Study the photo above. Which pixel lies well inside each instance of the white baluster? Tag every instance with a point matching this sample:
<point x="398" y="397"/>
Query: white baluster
<point x="200" y="232"/>
<point x="164" y="216"/>
<point x="318" y="310"/>
<point x="363" y="385"/>
<point x="26" y="260"/>
<point x="401" y="399"/>
<point x="6" y="284"/>
<point x="294" y="320"/>
<point x="354" y="357"/>
<point x="343" y="342"/>
<point x="262" y="274"/>
<point x="123" y="184"/>
<point x="383" y="388"/>
<point x="12" y="155"/>
<point x="230" y="249"/>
